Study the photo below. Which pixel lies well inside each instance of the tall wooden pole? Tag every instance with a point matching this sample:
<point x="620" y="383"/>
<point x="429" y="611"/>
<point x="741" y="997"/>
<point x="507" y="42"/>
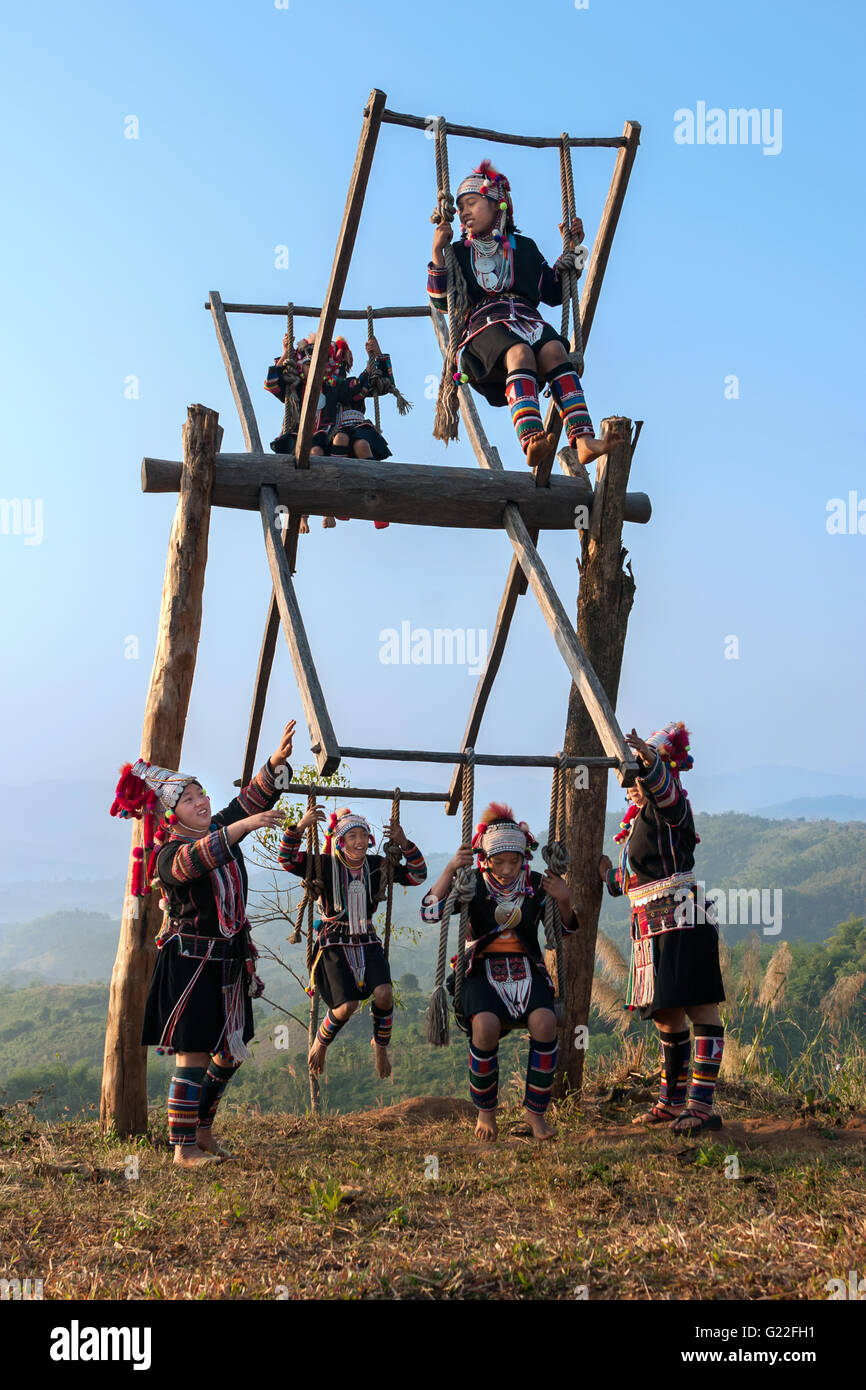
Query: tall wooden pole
<point x="604" y="602"/>
<point x="124" y="1077"/>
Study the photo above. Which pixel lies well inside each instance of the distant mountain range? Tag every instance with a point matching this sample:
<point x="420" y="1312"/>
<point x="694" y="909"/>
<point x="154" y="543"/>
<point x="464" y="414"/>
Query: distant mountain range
<point x="67" y="931"/>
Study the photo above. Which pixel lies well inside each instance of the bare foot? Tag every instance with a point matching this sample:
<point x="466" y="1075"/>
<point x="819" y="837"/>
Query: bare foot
<point x="540" y="448"/>
<point x="383" y="1061"/>
<point x="328" y="522"/>
<point x="191" y="1156"/>
<point x="205" y="1140"/>
<point x="588" y="447"/>
<point x="539" y="1126"/>
<point x="304" y="527"/>
<point x="485" y="1126"/>
<point x="316" y="1058"/>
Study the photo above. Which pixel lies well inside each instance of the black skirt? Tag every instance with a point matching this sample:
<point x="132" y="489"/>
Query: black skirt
<point x="687" y="970"/>
<point x="199" y="1025"/>
<point x="377" y="442"/>
<point x="285" y="443"/>
<point x="336" y="982"/>
<point x="479" y="997"/>
<point x="483" y="358"/>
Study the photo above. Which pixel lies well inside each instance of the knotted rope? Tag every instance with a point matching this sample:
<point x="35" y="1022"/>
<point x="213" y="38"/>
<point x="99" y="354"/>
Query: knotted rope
<point x="383" y="385"/>
<point x="572" y="260"/>
<point x="447" y="412"/>
<point x="462" y="891"/>
<point x="392" y="855"/>
<point x="291" y="376"/>
<point x="556" y="858"/>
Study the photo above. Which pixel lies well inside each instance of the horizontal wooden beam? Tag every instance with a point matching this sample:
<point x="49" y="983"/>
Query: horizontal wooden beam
<point x="322" y="738"/>
<point x="308" y="311"/>
<point x="365" y="793"/>
<point x="537" y="142"/>
<point x="417" y="755"/>
<point x="413" y="494"/>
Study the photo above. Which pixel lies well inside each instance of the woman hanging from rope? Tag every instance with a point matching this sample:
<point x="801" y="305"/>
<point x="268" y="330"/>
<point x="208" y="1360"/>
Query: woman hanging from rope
<point x="350" y="963"/>
<point x="341" y="427"/>
<point x="506" y="984"/>
<point x="674" y="974"/>
<point x="505" y="347"/>
<point x="199" y="1004"/>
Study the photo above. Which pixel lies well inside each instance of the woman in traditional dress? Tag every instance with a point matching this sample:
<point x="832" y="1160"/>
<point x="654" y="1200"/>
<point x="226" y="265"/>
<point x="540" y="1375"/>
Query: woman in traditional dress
<point x="506" y="984"/>
<point x="350" y="963"/>
<point x="675" y="974"/>
<point x="199" y="1005"/>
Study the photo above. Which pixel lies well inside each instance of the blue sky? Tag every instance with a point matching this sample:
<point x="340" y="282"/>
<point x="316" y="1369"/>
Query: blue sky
<point x="727" y="261"/>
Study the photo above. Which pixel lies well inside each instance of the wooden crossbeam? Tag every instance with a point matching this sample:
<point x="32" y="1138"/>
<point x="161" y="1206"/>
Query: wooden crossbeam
<point x="423" y="755"/>
<point x="536" y="142"/>
<point x="306" y="311"/>
<point x="323" y="740"/>
<point x="374" y="490"/>
<point x="238" y="385"/>
<point x="516" y="582"/>
<point x="363" y="793"/>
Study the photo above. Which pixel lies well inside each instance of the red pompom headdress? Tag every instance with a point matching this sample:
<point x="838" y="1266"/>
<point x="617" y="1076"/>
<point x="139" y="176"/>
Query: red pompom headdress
<point x="672" y="744"/>
<point x="142" y="791"/>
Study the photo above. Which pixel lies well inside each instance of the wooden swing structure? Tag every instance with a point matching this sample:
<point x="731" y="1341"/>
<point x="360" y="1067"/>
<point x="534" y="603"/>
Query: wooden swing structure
<point x="284" y="487"/>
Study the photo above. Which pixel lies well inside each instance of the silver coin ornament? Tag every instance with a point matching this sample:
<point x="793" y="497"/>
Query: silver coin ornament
<point x="508" y="914"/>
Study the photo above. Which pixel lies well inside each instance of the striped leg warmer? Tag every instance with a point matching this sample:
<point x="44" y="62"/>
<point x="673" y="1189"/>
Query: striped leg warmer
<point x="329" y="1028"/>
<point x="483" y="1077"/>
<point x="382" y="1020"/>
<point x="216" y="1078"/>
<point x="676" y="1066"/>
<point x="521" y="393"/>
<point x="709" y="1047"/>
<point x="183" y="1097"/>
<point x="540" y="1072"/>
<point x="567" y="391"/>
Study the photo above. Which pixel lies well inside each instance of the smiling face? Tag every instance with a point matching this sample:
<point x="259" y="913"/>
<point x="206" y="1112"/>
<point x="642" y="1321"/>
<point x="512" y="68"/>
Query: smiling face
<point x="636" y="794"/>
<point x="506" y="866"/>
<point x="192" y="807"/>
<point x="356" y="843"/>
<point x="477" y="214"/>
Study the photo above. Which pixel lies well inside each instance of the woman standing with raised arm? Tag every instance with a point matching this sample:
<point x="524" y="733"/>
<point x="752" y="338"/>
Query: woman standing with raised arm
<point x="199" y="1004"/>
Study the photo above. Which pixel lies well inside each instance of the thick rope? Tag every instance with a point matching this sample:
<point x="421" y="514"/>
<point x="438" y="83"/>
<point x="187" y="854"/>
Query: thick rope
<point x="465" y="876"/>
<point x="381" y="383"/>
<point x="572" y="261"/>
<point x="462" y="891"/>
<point x="447" y="401"/>
<point x="375" y="398"/>
<point x="291" y="376"/>
<point x="393" y="855"/>
<point x="556" y="858"/>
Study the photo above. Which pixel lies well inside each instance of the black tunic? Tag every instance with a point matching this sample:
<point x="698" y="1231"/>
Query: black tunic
<point x="192" y="927"/>
<point x="661" y="843"/>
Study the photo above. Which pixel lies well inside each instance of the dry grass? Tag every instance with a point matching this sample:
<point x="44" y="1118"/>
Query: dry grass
<point x="344" y="1208"/>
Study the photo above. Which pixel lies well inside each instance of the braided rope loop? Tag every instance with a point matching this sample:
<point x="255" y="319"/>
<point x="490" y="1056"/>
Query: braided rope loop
<point x="573" y="260"/>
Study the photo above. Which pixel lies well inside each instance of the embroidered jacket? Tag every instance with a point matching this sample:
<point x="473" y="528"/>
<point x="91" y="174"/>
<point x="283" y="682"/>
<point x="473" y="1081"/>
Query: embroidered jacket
<point x="186" y="866"/>
<point x="532" y="281"/>
<point x="340" y="402"/>
<point x="660" y="847"/>
<point x="334" y="930"/>
<point x="482" y="929"/>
